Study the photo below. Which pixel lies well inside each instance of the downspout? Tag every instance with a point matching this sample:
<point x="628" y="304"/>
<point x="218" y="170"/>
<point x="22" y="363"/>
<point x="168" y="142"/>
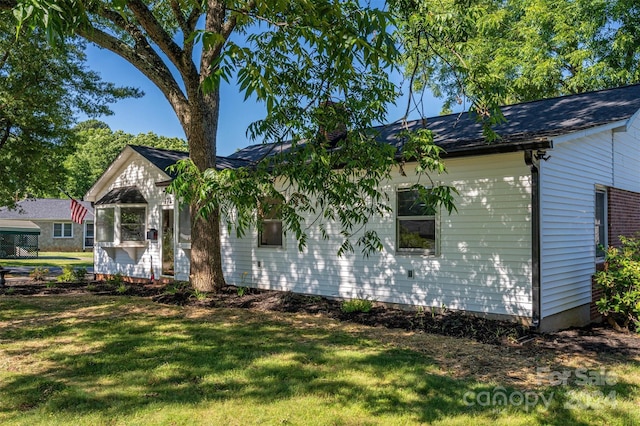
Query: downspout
<point x="529" y="159"/>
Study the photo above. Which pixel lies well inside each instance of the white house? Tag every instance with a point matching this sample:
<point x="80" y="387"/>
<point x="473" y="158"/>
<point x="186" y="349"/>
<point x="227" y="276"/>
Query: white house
<point x="533" y="208"/>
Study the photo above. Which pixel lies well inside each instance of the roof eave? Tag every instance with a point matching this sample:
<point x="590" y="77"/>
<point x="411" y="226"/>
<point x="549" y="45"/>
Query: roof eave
<point x="500" y="148"/>
<point x="614" y="125"/>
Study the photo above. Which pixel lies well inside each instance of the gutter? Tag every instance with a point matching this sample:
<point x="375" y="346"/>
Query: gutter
<point x="529" y="159"/>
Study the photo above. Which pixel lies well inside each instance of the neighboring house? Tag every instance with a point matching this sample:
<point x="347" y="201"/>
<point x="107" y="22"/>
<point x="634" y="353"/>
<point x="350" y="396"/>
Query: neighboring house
<point x="53" y="217"/>
<point x="534" y="210"/>
<point x="18" y="239"/>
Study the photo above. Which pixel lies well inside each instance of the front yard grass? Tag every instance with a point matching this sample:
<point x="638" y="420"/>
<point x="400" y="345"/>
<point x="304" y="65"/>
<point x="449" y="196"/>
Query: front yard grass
<point x="89" y="360"/>
<point x="49" y="259"/>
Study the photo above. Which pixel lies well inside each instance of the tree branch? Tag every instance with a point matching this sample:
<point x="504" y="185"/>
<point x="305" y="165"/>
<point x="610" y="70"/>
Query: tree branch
<point x="177" y="12"/>
<point x="6" y="132"/>
<point x="157" y="33"/>
<point x="147" y="61"/>
<point x="229" y="25"/>
<point x="3" y="59"/>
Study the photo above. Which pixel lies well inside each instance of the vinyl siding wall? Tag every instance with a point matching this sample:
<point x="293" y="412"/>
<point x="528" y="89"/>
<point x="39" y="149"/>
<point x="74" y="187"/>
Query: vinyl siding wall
<point x="484" y="263"/>
<point x="626" y="156"/>
<point x="568" y="182"/>
<point x="111" y="260"/>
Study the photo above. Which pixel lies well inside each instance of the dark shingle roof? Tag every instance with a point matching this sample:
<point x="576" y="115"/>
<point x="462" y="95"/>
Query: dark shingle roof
<point x="528" y="123"/>
<point x="528" y="126"/>
<point x="126" y="195"/>
<point x="163" y="158"/>
<point x="42" y="209"/>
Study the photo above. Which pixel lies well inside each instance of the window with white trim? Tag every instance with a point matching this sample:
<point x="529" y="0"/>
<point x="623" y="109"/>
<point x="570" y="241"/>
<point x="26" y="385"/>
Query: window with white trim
<point x="601" y="223"/>
<point x="63" y="230"/>
<point x="120" y="224"/>
<point x="415" y="222"/>
<point x="270" y="234"/>
<point x="133" y="222"/>
<point x="105" y="221"/>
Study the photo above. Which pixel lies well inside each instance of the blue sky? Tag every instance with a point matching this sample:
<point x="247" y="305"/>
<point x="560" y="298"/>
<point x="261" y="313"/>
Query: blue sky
<point x="152" y="112"/>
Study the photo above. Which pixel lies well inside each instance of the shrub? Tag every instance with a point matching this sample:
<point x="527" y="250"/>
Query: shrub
<point x="72" y="275"/>
<point x="80" y="275"/>
<point x="356" y="305"/>
<point x="620" y="284"/>
<point x="200" y="295"/>
<point x="176" y="287"/>
<point x="115" y="280"/>
<point x="122" y="288"/>
<point x="39" y="274"/>
<point x="67" y="274"/>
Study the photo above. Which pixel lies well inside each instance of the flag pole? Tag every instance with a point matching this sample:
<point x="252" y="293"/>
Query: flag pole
<point x="71" y="198"/>
<point x="65" y="193"/>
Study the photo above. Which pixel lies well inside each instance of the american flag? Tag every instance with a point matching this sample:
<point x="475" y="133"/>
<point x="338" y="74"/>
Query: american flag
<point x="78" y="212"/>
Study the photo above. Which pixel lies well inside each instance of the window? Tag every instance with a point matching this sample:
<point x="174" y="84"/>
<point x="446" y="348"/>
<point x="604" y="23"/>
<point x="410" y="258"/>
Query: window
<point x="63" y="230"/>
<point x="105" y="224"/>
<point x="88" y="234"/>
<point x="271" y="233"/>
<point x="601" y="223"/>
<point x="416" y="222"/>
<point x="132" y="223"/>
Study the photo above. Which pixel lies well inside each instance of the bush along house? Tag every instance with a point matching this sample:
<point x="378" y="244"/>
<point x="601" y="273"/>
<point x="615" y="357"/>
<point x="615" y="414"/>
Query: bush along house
<point x="534" y="208"/>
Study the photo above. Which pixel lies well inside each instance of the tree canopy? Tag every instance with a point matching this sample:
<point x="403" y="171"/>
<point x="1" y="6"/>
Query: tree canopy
<point x="296" y="57"/>
<point x="492" y="52"/>
<point x="42" y="87"/>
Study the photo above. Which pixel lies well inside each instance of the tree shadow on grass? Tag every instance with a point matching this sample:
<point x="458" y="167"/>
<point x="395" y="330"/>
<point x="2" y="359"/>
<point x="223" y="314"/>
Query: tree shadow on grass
<point x="127" y="361"/>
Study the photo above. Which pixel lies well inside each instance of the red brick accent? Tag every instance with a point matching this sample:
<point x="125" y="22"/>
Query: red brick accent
<point x="623" y="214"/>
<point x="134" y="280"/>
<point x="623" y="218"/>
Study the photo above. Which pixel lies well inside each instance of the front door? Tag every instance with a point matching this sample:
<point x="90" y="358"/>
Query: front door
<point x="167" y="242"/>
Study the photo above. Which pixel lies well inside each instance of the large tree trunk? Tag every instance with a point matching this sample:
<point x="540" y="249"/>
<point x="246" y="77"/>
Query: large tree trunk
<point x="206" y="258"/>
<point x="206" y="250"/>
<point x="206" y="254"/>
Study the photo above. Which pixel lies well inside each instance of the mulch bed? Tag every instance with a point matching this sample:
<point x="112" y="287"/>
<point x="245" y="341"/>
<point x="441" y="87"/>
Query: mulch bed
<point x="596" y="338"/>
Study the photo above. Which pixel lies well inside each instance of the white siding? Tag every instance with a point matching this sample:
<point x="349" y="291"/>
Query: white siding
<point x="626" y="155"/>
<point x="136" y="263"/>
<point x="484" y="263"/>
<point x="567" y="190"/>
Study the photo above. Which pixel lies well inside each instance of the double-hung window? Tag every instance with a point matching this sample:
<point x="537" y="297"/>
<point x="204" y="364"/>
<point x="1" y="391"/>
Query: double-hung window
<point x="121" y="217"/>
<point x="270" y="234"/>
<point x="63" y="230"/>
<point x="105" y="221"/>
<point x="416" y="222"/>
<point x="132" y="223"/>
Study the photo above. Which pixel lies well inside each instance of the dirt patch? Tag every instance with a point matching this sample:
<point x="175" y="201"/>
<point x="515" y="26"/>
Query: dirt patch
<point x="580" y="345"/>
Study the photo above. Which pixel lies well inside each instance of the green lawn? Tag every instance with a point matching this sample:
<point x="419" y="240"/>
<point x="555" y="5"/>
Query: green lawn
<point x="48" y="259"/>
<point x="88" y="360"/>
